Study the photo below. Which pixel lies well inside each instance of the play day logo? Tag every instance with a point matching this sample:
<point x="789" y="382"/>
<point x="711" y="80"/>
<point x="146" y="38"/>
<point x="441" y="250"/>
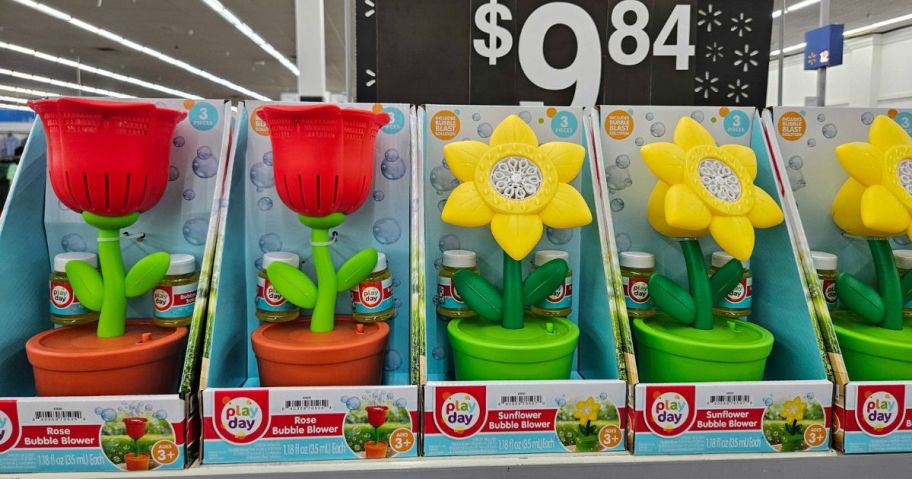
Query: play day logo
<point x="9" y="425"/>
<point x="243" y="415"/>
<point x="880" y="408"/>
<point x="460" y="410"/>
<point x="669" y="410"/>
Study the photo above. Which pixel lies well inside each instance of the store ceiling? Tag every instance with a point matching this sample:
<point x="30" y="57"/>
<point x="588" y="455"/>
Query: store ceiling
<point x="190" y="31"/>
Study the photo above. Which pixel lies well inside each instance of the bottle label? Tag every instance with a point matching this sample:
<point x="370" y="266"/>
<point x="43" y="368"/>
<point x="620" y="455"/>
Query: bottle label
<point x="268" y="299"/>
<point x="740" y="296"/>
<point x="174" y="301"/>
<point x="372" y="296"/>
<point x="561" y="298"/>
<point x="447" y="296"/>
<point x="829" y="292"/>
<point x="636" y="293"/>
<point x="63" y="301"/>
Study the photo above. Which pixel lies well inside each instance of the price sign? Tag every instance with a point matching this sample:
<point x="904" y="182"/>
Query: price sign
<point x="580" y="52"/>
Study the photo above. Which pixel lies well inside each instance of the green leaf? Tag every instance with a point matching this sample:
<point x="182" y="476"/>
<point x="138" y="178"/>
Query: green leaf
<point x="356" y="269"/>
<point x="906" y="283"/>
<point x="860" y="298"/>
<point x="146" y="273"/>
<point x="87" y="284"/>
<point x="672" y="299"/>
<point x="724" y="280"/>
<point x="543" y="281"/>
<point x="479" y="295"/>
<point x="293" y="284"/>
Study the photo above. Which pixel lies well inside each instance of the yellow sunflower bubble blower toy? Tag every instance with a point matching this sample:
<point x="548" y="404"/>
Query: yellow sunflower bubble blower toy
<point x="703" y="189"/>
<point x="517" y="187"/>
<point x="875" y="203"/>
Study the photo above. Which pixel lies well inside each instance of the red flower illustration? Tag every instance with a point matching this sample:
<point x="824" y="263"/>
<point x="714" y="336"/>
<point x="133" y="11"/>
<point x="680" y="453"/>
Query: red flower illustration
<point x="109" y="158"/>
<point x="323" y="156"/>
<point x="136" y="427"/>
<point x="376" y="415"/>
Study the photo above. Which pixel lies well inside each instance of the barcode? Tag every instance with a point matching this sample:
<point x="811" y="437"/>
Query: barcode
<point x="58" y="415"/>
<point x="521" y="399"/>
<point x="307" y="404"/>
<point x="728" y="399"/>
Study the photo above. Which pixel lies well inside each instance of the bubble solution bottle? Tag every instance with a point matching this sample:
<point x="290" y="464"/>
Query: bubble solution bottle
<point x="449" y="303"/>
<point x="65" y="308"/>
<point x="372" y="298"/>
<point x="174" y="297"/>
<point x="737" y="303"/>
<point x="825" y="264"/>
<point x="271" y="306"/>
<point x="636" y="268"/>
<point x="560" y="302"/>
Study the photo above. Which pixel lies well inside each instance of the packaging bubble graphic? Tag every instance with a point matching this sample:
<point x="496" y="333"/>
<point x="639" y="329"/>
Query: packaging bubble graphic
<point x="173" y="173"/>
<point x="622" y="161"/>
<point x="623" y="241"/>
<point x="697" y="116"/>
<point x="264" y="203"/>
<point x="867" y="118"/>
<point x="189" y="194"/>
<point x="393" y="361"/>
<point x="618" y="178"/>
<point x="829" y="130"/>
<point x="476" y="116"/>
<point x="441" y="204"/>
<point x="392" y="167"/>
<point x="443" y="180"/>
<point x="387" y="231"/>
<point x="485" y="130"/>
<point x="270" y="242"/>
<point x="558" y="236"/>
<point x="178" y="141"/>
<point x="261" y="176"/>
<point x="379" y="195"/>
<point x="448" y="242"/>
<point x="617" y="204"/>
<point x="639" y="141"/>
<point x="267" y="158"/>
<point x="525" y="116"/>
<point x="438" y="353"/>
<point x="195" y="230"/>
<point x="811" y="142"/>
<point x="795" y="162"/>
<point x="657" y="129"/>
<point x="73" y="242"/>
<point x="205" y="166"/>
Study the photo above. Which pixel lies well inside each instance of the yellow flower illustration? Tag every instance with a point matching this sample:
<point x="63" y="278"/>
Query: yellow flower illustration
<point x="704" y="188"/>
<point x="515" y="185"/>
<point x="793" y="410"/>
<point x="876" y="200"/>
<point x="586" y="411"/>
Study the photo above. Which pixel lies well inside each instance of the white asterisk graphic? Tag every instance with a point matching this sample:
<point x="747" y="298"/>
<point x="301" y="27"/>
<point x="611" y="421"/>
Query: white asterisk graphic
<point x="746" y="58"/>
<point x="737" y="91"/>
<point x="706" y="84"/>
<point x="714" y="52"/>
<point x="741" y="24"/>
<point x="709" y="17"/>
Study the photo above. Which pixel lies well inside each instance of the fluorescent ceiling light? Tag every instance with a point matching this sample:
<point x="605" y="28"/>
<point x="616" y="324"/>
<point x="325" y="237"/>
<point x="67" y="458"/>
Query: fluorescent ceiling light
<point x="852" y="33"/>
<point x="64" y="84"/>
<point x="12" y="99"/>
<point x="98" y="71"/>
<point x="27" y="91"/>
<point x="795" y="7"/>
<point x="8" y="106"/>
<point x="252" y="35"/>
<point x="136" y="46"/>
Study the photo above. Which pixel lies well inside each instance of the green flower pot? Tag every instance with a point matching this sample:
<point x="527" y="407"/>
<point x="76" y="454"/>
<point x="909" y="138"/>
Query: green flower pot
<point x="792" y="442"/>
<point x="587" y="443"/>
<point x="485" y="350"/>
<point x="873" y="353"/>
<point x="669" y="351"/>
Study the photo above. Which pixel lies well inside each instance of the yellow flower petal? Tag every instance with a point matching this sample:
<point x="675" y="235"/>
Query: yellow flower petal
<point x="513" y="130"/>
<point x="567" y="157"/>
<point x="735" y="235"/>
<point x="881" y="211"/>
<point x="685" y="210"/>
<point x="567" y="209"/>
<point x="655" y="213"/>
<point x="745" y="156"/>
<point x="463" y="156"/>
<point x="517" y="234"/>
<point x="886" y="133"/>
<point x="862" y="161"/>
<point x="766" y="212"/>
<point x="847" y="209"/>
<point x="665" y="160"/>
<point x="465" y="207"/>
<point x="688" y="134"/>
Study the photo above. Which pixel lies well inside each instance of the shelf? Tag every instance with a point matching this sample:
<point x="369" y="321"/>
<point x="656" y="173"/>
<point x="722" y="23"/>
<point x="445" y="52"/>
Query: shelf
<point x="744" y="466"/>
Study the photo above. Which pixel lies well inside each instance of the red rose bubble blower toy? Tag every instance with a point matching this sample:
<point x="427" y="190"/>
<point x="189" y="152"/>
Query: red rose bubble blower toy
<point x="376" y="416"/>
<point x="136" y="429"/>
<point x="108" y="161"/>
<point x="324" y="165"/>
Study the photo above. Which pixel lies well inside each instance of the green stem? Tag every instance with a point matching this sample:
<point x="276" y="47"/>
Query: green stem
<point x="377" y="435"/>
<point x="512" y="293"/>
<point x="700" y="289"/>
<point x="113" y="314"/>
<point x="324" y="311"/>
<point x="888" y="283"/>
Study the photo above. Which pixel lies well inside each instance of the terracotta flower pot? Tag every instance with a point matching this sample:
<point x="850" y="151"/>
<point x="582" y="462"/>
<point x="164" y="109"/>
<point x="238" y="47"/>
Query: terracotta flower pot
<point x="374" y="450"/>
<point x="136" y="463"/>
<point x="290" y="354"/>
<point x="74" y="361"/>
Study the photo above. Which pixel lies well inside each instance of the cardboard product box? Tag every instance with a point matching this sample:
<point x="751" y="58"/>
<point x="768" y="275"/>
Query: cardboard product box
<point x="719" y="417"/>
<point x="65" y="434"/>
<point x="516" y="417"/>
<point x="244" y="422"/>
<point x="868" y="416"/>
